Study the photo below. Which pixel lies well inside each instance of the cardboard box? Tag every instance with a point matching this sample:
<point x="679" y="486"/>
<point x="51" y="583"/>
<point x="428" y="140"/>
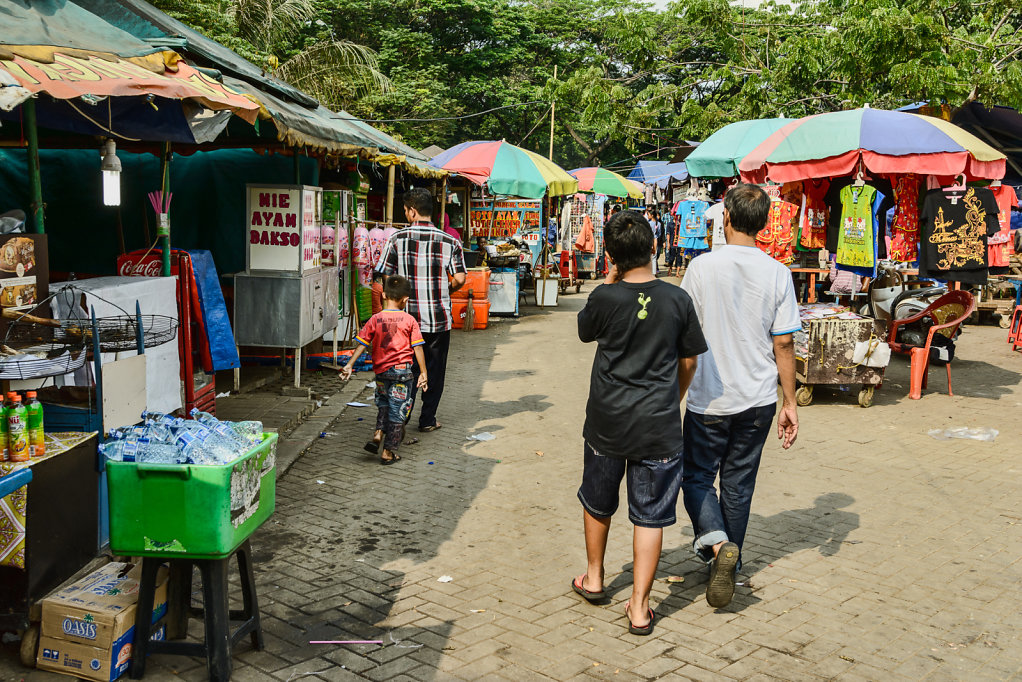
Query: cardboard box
<point x="103" y="665"/>
<point x="88" y="627"/>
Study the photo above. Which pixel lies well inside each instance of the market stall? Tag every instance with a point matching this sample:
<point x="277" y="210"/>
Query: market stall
<point x="518" y="180"/>
<point x="917" y="169"/>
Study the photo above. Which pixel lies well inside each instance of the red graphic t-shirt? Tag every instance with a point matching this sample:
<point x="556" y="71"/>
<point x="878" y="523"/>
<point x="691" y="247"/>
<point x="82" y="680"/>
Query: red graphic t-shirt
<point x="905" y="228"/>
<point x="391" y="335"/>
<point x="1000" y="247"/>
<point x="812" y="232"/>
<point x="777" y="239"/>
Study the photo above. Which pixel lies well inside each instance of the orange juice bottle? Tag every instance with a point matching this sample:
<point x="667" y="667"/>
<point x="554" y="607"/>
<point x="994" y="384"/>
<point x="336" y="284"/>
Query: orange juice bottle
<point x="17" y="430"/>
<point x="36" y="436"/>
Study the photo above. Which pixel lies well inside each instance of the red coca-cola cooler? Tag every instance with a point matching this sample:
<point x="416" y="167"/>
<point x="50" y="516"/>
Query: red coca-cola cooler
<point x="196" y="364"/>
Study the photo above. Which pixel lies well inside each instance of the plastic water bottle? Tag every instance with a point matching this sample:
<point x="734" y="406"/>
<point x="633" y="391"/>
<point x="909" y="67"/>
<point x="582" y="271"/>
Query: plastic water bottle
<point x="153" y="452"/>
<point x="17" y="429"/>
<point x="229" y="437"/>
<point x="3" y="430"/>
<point x="36" y="435"/>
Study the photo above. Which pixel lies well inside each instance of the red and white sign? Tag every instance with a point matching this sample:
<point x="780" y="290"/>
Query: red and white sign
<point x="283" y="228"/>
<point x="134" y="265"/>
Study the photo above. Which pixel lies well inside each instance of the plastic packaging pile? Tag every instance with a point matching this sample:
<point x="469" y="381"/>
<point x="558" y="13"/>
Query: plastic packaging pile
<point x="162" y="439"/>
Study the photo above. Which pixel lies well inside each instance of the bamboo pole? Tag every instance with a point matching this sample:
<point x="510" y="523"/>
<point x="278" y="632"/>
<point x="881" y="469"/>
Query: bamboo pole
<point x="35" y="179"/>
<point x="391" y="174"/>
<point x="164" y="233"/>
<point x="553" y="105"/>
<point x="443" y="203"/>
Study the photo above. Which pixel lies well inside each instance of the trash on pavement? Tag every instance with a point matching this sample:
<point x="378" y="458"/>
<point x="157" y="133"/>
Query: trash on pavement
<point x="984" y="433"/>
<point x="482" y="436"/>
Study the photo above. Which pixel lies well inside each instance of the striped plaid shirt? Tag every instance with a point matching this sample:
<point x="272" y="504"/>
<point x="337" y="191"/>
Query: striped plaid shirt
<point x="426" y="256"/>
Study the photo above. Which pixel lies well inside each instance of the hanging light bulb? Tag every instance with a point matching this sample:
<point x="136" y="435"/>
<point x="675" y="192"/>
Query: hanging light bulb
<point x="111" y="168"/>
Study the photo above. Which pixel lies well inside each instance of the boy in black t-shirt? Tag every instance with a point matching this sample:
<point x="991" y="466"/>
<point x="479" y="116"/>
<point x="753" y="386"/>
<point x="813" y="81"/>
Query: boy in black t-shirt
<point x="648" y="337"/>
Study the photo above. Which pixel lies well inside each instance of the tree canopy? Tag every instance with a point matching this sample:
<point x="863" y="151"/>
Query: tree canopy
<point x="631" y="79"/>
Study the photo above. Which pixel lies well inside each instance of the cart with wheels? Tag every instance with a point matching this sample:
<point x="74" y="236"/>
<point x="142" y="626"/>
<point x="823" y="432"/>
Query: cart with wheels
<point x="824" y="356"/>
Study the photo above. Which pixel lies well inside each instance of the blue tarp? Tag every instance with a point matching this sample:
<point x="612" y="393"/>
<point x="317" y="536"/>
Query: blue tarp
<point x="672" y="171"/>
<point x="222" y="349"/>
<point x="647" y="169"/>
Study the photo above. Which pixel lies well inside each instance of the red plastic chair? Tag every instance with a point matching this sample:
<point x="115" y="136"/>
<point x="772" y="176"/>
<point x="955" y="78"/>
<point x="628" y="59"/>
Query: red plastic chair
<point x="948" y="313"/>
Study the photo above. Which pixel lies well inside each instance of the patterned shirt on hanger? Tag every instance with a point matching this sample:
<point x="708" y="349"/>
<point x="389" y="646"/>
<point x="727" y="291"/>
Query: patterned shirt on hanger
<point x="905" y="228"/>
<point x="1000" y="247"/>
<point x="777" y="239"/>
<point x="812" y="229"/>
<point x="692" y="225"/>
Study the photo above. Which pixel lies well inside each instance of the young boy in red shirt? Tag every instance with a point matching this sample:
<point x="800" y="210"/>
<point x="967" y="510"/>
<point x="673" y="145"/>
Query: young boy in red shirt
<point x="394" y="337"/>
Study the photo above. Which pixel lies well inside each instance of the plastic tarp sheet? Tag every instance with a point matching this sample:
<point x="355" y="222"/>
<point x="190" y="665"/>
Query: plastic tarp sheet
<point x="207" y="213"/>
<point x="145" y="22"/>
<point x="69" y="77"/>
<point x="222" y="350"/>
<point x="302" y="126"/>
<point x="11" y="92"/>
<point x="135" y="118"/>
<point x="673" y="171"/>
<point x="65" y="24"/>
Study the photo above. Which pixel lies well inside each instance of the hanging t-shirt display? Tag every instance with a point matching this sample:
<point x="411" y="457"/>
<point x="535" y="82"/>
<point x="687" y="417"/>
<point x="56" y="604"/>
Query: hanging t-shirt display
<point x="812" y="227"/>
<point x="955" y="227"/>
<point x="833" y="201"/>
<point x="1000" y="247"/>
<point x="857" y="235"/>
<point x="692" y="225"/>
<point x="777" y="239"/>
<point x="905" y="226"/>
<point x="715" y="216"/>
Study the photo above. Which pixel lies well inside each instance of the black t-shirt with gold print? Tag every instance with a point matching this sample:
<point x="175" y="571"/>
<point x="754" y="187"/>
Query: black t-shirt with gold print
<point x="955" y="227"/>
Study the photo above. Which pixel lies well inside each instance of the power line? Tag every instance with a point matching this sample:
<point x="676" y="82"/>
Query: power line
<point x="440" y="118"/>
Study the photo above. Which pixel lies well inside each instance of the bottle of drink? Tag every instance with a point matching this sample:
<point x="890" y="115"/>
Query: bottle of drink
<point x="17" y="430"/>
<point x="3" y="429"/>
<point x="36" y="436"/>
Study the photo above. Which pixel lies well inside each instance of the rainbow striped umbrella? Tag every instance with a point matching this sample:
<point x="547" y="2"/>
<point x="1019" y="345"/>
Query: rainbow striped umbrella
<point x="603" y="181"/>
<point x="887" y="142"/>
<point x="506" y="169"/>
<point x="719" y="154"/>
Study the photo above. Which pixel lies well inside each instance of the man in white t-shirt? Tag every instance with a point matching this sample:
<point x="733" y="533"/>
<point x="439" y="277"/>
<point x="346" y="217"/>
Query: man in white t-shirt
<point x="747" y="308"/>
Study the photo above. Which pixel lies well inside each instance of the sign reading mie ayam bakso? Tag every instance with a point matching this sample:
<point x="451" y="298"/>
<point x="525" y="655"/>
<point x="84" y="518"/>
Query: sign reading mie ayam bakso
<point x="283" y="232"/>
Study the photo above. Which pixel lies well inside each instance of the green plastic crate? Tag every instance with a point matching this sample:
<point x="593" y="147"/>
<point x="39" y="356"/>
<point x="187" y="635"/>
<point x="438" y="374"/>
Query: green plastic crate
<point x="186" y="510"/>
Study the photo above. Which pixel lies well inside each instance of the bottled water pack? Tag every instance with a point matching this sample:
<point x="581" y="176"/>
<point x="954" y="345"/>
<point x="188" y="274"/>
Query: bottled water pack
<point x="162" y="439"/>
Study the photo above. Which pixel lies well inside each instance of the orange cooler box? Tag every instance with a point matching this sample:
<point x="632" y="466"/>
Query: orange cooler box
<point x="481" y="312"/>
<point x="478" y="280"/>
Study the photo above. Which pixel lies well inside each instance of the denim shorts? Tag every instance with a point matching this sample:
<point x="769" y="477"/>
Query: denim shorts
<point x="653" y="486"/>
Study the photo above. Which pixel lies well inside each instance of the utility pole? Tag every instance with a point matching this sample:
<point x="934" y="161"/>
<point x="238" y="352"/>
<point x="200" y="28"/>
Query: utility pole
<point x="553" y="105"/>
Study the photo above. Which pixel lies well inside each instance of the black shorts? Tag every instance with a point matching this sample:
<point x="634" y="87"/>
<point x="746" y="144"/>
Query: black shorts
<point x="653" y="486"/>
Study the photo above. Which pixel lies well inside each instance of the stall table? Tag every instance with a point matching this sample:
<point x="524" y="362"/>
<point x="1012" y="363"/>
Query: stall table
<point x="48" y="529"/>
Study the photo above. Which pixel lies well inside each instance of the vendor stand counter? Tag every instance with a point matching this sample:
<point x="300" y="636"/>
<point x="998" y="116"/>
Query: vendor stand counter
<point x="825" y="347"/>
<point x="48" y="529"/>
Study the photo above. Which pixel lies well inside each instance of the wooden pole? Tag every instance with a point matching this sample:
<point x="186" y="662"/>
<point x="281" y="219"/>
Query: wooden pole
<point x="443" y="203"/>
<point x="164" y="233"/>
<point x="35" y="179"/>
<point x="553" y="105"/>
<point x="391" y="174"/>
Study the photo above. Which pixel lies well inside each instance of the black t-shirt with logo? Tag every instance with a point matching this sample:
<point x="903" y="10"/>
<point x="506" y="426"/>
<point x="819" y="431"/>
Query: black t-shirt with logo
<point x="953" y="235"/>
<point x="641" y="331"/>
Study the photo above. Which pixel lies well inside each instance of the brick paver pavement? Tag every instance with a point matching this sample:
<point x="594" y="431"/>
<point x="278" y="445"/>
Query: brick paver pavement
<point x="874" y="551"/>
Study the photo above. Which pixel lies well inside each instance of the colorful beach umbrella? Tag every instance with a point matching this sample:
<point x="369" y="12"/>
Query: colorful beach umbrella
<point x="719" y="155"/>
<point x="506" y="169"/>
<point x="832" y="144"/>
<point x="603" y="181"/>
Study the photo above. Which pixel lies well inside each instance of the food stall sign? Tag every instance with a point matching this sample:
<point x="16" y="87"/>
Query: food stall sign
<point x="283" y="228"/>
<point x="513" y="217"/>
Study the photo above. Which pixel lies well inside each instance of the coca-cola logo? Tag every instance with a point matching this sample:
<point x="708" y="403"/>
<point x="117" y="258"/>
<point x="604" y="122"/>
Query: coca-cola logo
<point x="151" y="267"/>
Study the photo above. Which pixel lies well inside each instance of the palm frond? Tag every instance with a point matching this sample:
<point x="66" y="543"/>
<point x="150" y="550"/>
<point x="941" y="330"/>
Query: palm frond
<point x="329" y="70"/>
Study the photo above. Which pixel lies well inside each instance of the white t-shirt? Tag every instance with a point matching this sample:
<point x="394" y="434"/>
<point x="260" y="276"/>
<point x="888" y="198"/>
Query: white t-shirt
<point x="715" y="214"/>
<point x="743" y="298"/>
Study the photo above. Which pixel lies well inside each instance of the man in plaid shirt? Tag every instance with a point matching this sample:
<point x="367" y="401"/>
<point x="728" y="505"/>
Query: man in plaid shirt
<point x="426" y="255"/>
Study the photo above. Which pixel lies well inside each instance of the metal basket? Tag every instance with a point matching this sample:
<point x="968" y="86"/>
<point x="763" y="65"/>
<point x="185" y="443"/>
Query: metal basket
<point x="58" y="359"/>
<point x="120" y="332"/>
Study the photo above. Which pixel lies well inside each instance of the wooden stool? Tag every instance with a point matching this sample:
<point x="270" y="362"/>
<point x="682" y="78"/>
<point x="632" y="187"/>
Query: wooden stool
<point x="219" y="640"/>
